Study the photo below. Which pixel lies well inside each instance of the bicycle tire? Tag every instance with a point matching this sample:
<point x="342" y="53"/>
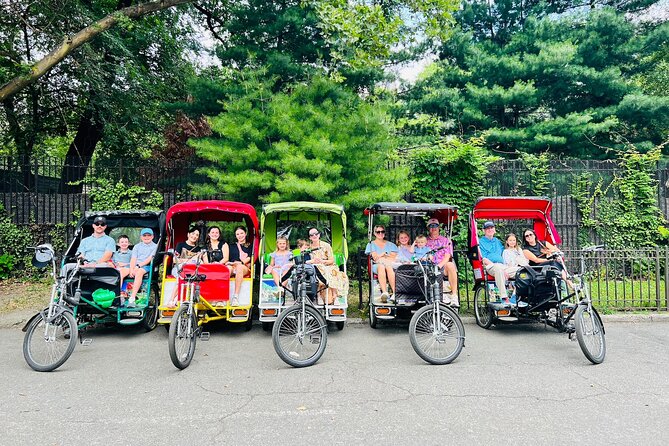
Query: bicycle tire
<point x="150" y="319"/>
<point x="437" y="346"/>
<point x="45" y="355"/>
<point x="482" y="313"/>
<point x="373" y="320"/>
<point x="292" y="328"/>
<point x="182" y="339"/>
<point x="590" y="334"/>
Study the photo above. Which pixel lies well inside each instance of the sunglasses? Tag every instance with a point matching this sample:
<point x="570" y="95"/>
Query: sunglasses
<point x="380" y="232"/>
<point x="529" y="235"/>
<point x="314" y="234"/>
<point x="99" y="224"/>
<point x="433" y="225"/>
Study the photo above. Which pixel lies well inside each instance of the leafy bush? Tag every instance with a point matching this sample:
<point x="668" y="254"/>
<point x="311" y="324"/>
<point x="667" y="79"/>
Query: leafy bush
<point x="13" y="243"/>
<point x="107" y="196"/>
<point x="7" y="262"/>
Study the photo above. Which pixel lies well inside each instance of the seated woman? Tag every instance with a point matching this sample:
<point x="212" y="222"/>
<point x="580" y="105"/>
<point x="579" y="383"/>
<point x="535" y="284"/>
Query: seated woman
<point x="217" y="251"/>
<point x="241" y="253"/>
<point x="384" y="254"/>
<point x="323" y="260"/>
<point x="536" y="252"/>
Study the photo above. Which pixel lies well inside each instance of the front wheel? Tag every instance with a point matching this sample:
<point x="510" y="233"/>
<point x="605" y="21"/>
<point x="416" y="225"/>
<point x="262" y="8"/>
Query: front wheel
<point x="437" y="336"/>
<point x="482" y="312"/>
<point x="300" y="336"/>
<point x="182" y="338"/>
<point x="48" y="344"/>
<point x="590" y="333"/>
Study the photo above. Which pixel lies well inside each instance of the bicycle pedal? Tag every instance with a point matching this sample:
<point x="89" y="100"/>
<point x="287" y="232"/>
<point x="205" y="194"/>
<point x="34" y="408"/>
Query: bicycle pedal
<point x="86" y="341"/>
<point x="204" y="336"/>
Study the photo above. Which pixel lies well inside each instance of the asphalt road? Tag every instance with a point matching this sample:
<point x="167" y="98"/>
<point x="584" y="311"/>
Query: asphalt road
<point x="511" y="385"/>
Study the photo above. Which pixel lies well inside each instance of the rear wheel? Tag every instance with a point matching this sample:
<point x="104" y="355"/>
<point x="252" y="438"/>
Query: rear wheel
<point x="373" y="320"/>
<point x="182" y="339"/>
<point x="47" y="345"/>
<point x="267" y="326"/>
<point x="340" y="325"/>
<point x="590" y="334"/>
<point x="483" y="313"/>
<point x="151" y="311"/>
<point x="437" y="338"/>
<point x="300" y="337"/>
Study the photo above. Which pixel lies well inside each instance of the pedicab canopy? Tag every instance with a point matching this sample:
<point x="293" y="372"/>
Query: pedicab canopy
<point x="304" y="211"/>
<point x="181" y="215"/>
<point x="445" y="213"/>
<point x="537" y="209"/>
<point x="119" y="218"/>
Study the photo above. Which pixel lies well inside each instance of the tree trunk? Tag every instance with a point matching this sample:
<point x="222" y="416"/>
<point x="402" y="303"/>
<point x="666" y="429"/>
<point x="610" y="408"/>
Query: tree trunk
<point x="71" y="43"/>
<point x="80" y="152"/>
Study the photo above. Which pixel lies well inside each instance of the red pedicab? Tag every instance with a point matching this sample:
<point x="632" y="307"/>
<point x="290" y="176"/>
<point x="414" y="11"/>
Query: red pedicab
<point x="542" y="293"/>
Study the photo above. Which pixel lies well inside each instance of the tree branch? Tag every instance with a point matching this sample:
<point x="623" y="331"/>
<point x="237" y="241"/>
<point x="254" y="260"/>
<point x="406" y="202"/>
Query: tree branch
<point x="71" y="43"/>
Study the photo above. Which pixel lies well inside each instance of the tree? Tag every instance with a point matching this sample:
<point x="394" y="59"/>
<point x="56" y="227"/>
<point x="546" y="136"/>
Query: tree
<point x="315" y="141"/>
<point x="565" y="85"/>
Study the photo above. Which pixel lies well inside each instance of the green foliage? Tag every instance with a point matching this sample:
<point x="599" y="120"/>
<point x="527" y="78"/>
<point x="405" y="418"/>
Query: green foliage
<point x="537" y="179"/>
<point x="7" y="262"/>
<point x="623" y="213"/>
<point x="536" y="82"/>
<point x="451" y="172"/>
<point x="108" y="196"/>
<point x="315" y="142"/>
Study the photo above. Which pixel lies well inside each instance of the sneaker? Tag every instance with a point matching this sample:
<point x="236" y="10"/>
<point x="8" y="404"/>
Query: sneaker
<point x="384" y="298"/>
<point x="122" y="304"/>
<point x="391" y="299"/>
<point x="235" y="300"/>
<point x="522" y="304"/>
<point x="446" y="299"/>
<point x="131" y="303"/>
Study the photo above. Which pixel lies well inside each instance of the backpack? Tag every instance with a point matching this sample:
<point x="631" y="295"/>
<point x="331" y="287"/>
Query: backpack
<point x="536" y="285"/>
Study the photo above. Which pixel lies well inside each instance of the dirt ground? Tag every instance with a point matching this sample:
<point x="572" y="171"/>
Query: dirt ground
<point x="16" y="295"/>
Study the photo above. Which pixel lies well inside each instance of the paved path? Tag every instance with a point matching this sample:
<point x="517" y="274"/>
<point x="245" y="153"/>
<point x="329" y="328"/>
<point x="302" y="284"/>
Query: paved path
<point x="512" y="385"/>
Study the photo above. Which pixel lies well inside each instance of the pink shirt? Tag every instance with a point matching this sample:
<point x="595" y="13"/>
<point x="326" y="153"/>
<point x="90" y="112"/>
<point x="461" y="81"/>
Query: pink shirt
<point x="438" y="243"/>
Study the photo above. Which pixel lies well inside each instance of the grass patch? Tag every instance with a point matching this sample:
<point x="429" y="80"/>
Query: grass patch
<point x="17" y="295"/>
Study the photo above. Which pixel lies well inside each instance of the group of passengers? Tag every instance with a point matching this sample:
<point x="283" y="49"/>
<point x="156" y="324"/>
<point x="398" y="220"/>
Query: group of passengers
<point x="236" y="256"/>
<point x="503" y="261"/>
<point x="320" y="256"/>
<point x="388" y="256"/>
<point x="99" y="249"/>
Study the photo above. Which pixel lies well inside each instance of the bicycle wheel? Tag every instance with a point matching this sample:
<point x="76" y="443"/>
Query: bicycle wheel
<point x="182" y="338"/>
<point x="47" y="345"/>
<point x="373" y="320"/>
<point x="482" y="312"/>
<point x="590" y="334"/>
<point x="150" y="319"/>
<point x="299" y="337"/>
<point x="437" y="342"/>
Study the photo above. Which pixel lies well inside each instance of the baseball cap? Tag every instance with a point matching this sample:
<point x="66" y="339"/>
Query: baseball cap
<point x="432" y="221"/>
<point x="488" y="224"/>
<point x="100" y="220"/>
<point x="146" y="231"/>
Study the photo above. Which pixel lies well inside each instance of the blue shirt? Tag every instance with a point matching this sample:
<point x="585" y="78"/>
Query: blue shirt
<point x="122" y="257"/>
<point x="143" y="251"/>
<point x="93" y="248"/>
<point x="491" y="249"/>
<point x="419" y="253"/>
<point x="388" y="248"/>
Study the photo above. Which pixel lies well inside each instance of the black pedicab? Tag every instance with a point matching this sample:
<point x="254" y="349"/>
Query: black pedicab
<point x="86" y="295"/>
<point x="541" y="291"/>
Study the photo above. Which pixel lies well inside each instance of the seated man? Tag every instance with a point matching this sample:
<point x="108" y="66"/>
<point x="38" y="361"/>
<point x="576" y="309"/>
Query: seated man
<point x="140" y="263"/>
<point x="493" y="262"/>
<point x="98" y="247"/>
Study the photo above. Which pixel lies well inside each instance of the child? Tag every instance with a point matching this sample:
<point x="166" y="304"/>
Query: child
<point x="405" y="250"/>
<point x="280" y="262"/>
<point x="142" y="255"/>
<point x="303" y="245"/>
<point x="420" y="248"/>
<point x="121" y="260"/>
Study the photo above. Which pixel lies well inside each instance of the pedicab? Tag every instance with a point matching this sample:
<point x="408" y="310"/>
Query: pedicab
<point x="541" y="291"/>
<point x="292" y="220"/>
<point x="409" y="296"/>
<point x="216" y="292"/>
<point x="87" y="295"/>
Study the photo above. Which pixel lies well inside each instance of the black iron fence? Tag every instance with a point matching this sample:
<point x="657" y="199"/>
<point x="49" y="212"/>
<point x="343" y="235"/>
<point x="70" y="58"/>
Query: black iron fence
<point x="618" y="279"/>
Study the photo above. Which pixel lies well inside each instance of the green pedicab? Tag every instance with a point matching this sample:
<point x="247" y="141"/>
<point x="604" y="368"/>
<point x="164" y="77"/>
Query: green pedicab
<point x="292" y="220"/>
